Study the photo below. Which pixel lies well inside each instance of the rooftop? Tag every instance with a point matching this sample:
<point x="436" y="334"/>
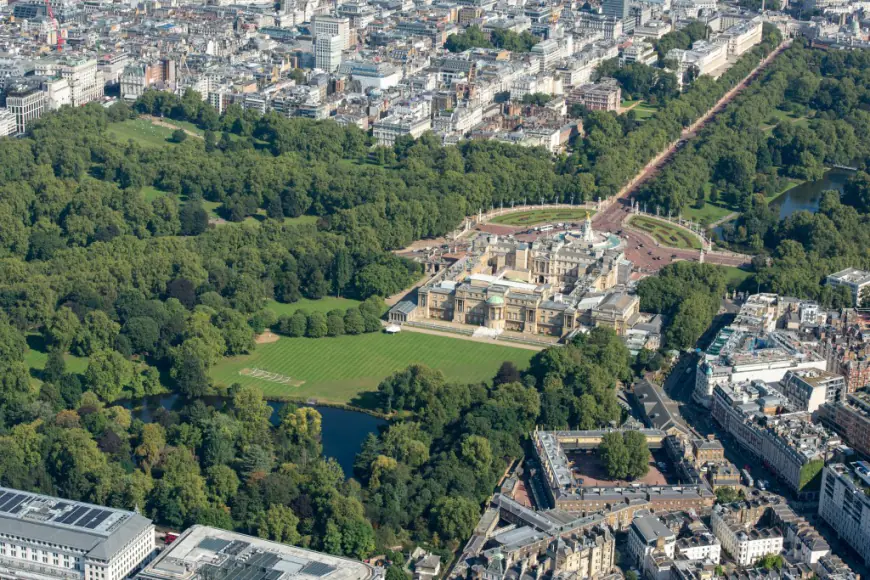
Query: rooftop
<point x="99" y="531"/>
<point x="204" y="552"/>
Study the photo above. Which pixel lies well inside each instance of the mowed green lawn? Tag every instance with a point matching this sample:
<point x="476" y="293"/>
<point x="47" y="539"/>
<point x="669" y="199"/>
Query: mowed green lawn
<point x="735" y="277"/>
<point x="340" y="369"/>
<point x="141" y="131"/>
<point x="666" y="234"/>
<point x="324" y="305"/>
<point x="540" y="216"/>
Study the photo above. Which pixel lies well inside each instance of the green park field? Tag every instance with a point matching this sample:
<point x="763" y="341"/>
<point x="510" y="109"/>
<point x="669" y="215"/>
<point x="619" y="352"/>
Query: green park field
<point x="142" y="131"/>
<point x="666" y="234"/>
<point x="324" y="305"/>
<point x="541" y="216"/>
<point x="342" y="369"/>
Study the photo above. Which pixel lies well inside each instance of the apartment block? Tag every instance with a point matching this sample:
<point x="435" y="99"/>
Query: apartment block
<point x="605" y="95"/>
<point x="850" y="419"/>
<point x="845" y="504"/>
<point x="787" y="442"/>
<point x="390" y="128"/>
<point x="743" y="542"/>
<point x="809" y="389"/>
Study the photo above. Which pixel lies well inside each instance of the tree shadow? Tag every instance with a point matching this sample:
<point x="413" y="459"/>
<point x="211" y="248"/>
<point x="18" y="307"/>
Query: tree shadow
<point x="370" y="400"/>
<point x="37" y="342"/>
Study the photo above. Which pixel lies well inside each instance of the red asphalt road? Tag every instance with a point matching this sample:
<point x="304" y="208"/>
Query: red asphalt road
<point x="613" y="217"/>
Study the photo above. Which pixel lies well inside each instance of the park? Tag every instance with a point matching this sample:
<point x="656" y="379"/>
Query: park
<point x="342" y="369"/>
<point x="541" y="216"/>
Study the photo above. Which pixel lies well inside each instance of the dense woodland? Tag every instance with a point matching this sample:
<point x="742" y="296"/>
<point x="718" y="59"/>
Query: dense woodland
<point x="809" y="111"/>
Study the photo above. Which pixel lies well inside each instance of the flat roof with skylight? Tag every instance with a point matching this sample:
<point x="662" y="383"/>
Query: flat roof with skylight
<point x="205" y="552"/>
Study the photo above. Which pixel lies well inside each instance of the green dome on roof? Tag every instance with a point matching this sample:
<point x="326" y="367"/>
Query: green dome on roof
<point x="495" y="300"/>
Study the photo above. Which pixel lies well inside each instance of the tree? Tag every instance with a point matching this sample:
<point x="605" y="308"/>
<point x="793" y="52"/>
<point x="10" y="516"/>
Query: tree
<point x="223" y="483"/>
<point x="108" y="373"/>
<point x="62" y="329"/>
<point x="182" y="290"/>
<point x="455" y="517"/>
<point x="210" y="141"/>
<point x="334" y="325"/>
<point x="55" y="366"/>
<point x="143" y="333"/>
<point x="507" y="373"/>
<point x="295" y="325"/>
<point x="193" y="217"/>
<point x="342" y="271"/>
<point x="178" y="136"/>
<point x="638" y="454"/>
<point x="279" y="523"/>
<point x="354" y="322"/>
<point x="771" y="562"/>
<point x="727" y="495"/>
<point x="395" y="572"/>
<point x="317" y="326"/>
<point x="615" y="455"/>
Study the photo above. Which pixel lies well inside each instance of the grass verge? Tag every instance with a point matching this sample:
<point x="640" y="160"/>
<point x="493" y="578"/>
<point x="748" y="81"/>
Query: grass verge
<point x="666" y="234"/>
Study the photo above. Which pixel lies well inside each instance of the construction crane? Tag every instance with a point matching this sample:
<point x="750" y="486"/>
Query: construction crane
<point x="56" y="25"/>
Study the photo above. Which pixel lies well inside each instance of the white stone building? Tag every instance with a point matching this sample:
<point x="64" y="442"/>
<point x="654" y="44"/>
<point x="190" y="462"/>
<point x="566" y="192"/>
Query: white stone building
<point x="43" y="537"/>
<point x="845" y="505"/>
<point x="745" y="544"/>
<point x="646" y="535"/>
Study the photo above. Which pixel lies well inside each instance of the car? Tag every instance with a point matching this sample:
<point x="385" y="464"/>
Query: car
<point x="688" y="370"/>
<point x="673" y="256"/>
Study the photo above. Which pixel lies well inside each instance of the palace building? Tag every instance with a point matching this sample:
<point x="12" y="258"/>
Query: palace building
<point x="553" y="286"/>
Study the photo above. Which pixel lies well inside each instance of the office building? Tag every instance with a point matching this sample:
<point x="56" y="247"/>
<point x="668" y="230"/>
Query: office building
<point x="845" y="504"/>
<point x="202" y="552"/>
<point x="617" y="9"/>
<point x="855" y="280"/>
<point x="329" y="26"/>
<point x="27" y="103"/>
<point x="327" y="52"/>
<point x="85" y="80"/>
<point x="7" y="123"/>
<point x="809" y="389"/>
<point x="44" y="537"/>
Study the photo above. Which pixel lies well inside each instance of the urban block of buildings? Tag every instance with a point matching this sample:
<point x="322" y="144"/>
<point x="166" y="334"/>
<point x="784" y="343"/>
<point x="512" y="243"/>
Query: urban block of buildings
<point x="566" y="490"/>
<point x="787" y="441"/>
<point x="845" y="504"/>
<point x="44" y="537"/>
